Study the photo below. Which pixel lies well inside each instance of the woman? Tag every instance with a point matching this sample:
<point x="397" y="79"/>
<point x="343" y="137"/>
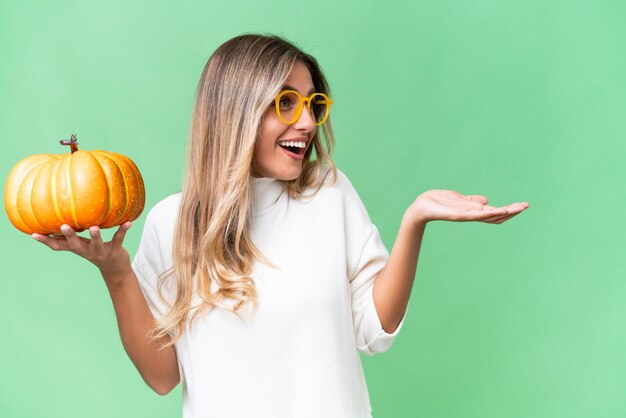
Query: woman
<point x="258" y="285"/>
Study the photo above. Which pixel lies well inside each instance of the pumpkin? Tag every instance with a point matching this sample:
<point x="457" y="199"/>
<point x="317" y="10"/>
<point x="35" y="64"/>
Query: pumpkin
<point x="81" y="189"/>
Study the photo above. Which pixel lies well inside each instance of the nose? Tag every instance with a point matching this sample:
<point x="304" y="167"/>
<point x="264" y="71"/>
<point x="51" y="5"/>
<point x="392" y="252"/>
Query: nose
<point x="306" y="121"/>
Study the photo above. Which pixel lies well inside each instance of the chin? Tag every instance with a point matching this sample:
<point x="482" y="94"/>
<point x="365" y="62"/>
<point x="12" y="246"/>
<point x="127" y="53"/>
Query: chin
<point x="290" y="176"/>
<point x="280" y="171"/>
<point x="286" y="174"/>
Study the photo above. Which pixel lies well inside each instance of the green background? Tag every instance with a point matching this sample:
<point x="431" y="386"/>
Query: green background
<point x="519" y="101"/>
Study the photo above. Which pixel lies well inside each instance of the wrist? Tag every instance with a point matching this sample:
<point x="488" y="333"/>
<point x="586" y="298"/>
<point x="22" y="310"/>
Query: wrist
<point x="115" y="278"/>
<point x="414" y="218"/>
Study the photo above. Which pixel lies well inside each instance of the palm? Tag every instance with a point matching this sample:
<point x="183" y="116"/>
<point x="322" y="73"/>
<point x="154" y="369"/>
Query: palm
<point x="448" y="205"/>
<point x="110" y="257"/>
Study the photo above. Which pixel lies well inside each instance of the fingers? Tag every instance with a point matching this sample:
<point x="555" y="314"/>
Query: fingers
<point x="70" y="241"/>
<point x="118" y="238"/>
<point x="56" y="243"/>
<point x="74" y="242"/>
<point x="477" y="198"/>
<point x="489" y="212"/>
<point x="512" y="210"/>
<point x="96" y="238"/>
<point x="518" y="207"/>
<point x="499" y="219"/>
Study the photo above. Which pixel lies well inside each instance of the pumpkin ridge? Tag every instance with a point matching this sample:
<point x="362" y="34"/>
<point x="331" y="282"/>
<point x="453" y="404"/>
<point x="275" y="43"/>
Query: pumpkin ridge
<point x="53" y="184"/>
<point x="71" y="194"/>
<point x="139" y="202"/>
<point x="109" y="185"/>
<point x="28" y="170"/>
<point x="126" y="194"/>
<point x="141" y="190"/>
<point x="30" y="202"/>
<point x="18" y="189"/>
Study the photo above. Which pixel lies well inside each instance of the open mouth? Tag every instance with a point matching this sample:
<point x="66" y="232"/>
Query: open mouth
<point x="294" y="150"/>
<point x="293" y="147"/>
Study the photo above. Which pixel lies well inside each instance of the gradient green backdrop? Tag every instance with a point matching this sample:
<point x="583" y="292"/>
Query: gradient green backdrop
<point x="519" y="101"/>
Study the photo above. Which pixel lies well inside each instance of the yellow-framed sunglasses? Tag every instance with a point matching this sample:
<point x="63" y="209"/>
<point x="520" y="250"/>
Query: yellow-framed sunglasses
<point x="289" y="105"/>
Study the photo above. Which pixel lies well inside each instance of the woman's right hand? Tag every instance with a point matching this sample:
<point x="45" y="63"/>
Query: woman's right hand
<point x="110" y="257"/>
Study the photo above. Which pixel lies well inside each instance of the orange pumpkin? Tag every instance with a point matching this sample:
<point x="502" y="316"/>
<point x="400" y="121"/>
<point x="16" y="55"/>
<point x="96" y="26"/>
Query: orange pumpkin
<point x="80" y="189"/>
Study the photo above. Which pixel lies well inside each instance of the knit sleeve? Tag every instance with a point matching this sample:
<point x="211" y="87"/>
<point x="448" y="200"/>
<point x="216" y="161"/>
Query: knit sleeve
<point x="367" y="256"/>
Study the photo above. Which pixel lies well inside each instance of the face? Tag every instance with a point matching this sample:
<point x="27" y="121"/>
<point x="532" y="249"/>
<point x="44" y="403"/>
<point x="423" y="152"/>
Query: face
<point x="272" y="160"/>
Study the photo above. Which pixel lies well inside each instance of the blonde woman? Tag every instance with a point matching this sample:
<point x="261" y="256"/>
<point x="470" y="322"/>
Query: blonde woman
<point x="257" y="286"/>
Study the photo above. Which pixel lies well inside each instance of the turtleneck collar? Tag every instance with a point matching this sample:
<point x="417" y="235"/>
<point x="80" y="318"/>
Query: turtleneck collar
<point x="265" y="193"/>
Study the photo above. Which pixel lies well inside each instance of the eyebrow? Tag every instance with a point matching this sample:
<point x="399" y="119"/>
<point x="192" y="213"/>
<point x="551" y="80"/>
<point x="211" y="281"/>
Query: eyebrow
<point x="288" y="87"/>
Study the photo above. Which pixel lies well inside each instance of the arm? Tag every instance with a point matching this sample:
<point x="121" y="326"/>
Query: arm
<point x="159" y="368"/>
<point x="393" y="284"/>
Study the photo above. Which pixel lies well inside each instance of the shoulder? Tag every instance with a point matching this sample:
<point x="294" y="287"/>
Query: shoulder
<point x="154" y="253"/>
<point x="165" y="211"/>
<point x="340" y="183"/>
<point x="332" y="188"/>
<point x="343" y="182"/>
<point x="331" y="180"/>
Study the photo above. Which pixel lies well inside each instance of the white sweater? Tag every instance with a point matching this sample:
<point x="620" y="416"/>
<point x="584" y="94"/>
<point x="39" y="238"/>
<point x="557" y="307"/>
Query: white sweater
<point x="297" y="355"/>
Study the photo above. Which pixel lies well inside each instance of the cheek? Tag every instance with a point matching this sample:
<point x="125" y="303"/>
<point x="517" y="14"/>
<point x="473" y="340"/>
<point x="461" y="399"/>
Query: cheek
<point x="270" y="132"/>
<point x="266" y="143"/>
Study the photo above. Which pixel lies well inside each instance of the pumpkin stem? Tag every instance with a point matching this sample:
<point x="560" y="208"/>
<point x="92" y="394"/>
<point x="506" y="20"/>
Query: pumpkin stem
<point x="71" y="142"/>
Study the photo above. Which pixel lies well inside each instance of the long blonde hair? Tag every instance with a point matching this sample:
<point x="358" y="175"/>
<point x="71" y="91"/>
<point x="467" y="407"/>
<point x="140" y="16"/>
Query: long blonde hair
<point x="211" y="242"/>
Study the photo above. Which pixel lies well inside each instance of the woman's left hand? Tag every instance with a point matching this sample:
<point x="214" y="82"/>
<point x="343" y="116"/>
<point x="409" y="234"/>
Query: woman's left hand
<point x="448" y="205"/>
